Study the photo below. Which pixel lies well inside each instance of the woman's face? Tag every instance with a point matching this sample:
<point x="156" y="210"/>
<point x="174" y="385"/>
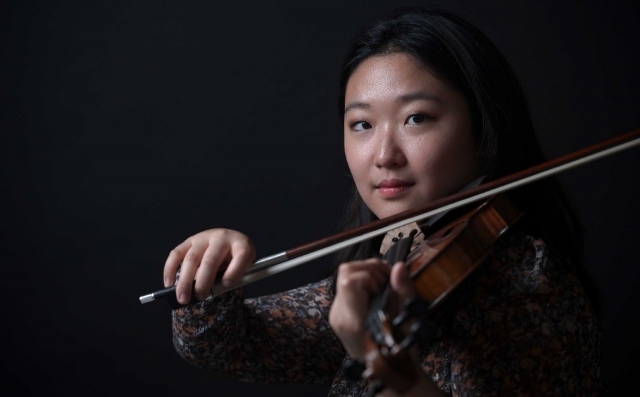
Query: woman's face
<point x="408" y="136"/>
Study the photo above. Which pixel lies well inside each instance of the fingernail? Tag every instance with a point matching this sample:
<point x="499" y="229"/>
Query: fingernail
<point x="167" y="282"/>
<point x="182" y="298"/>
<point x="226" y="282"/>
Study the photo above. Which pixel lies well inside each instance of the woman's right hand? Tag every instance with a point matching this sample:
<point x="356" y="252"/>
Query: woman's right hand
<point x="202" y="256"/>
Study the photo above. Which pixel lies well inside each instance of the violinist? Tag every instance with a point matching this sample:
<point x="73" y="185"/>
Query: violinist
<point x="429" y="106"/>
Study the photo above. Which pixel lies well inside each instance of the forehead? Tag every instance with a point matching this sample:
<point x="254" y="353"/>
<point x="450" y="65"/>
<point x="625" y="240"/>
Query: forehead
<point x="390" y="75"/>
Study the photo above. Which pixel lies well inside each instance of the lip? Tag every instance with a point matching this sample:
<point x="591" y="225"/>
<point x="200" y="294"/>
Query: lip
<point x="392" y="187"/>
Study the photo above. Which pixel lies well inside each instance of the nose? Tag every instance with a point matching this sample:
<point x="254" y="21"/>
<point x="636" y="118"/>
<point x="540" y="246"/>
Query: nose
<point x="389" y="150"/>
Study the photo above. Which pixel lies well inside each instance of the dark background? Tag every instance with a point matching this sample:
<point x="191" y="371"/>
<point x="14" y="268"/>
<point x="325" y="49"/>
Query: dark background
<point x="128" y="126"/>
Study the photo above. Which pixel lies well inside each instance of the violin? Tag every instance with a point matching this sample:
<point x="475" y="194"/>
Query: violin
<point x="437" y="265"/>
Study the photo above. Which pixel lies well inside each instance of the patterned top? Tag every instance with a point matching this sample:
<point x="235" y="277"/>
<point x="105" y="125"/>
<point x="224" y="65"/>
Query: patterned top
<point x="521" y="324"/>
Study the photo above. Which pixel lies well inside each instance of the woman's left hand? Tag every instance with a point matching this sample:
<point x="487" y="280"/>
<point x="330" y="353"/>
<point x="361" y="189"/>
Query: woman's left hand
<point x="357" y="283"/>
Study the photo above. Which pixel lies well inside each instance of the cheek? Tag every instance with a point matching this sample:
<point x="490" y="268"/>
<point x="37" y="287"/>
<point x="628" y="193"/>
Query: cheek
<point x="356" y="158"/>
<point x="438" y="162"/>
<point x="429" y="155"/>
<point x="452" y="165"/>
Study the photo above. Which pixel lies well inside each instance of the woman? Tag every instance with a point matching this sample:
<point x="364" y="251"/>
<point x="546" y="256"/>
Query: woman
<point x="429" y="106"/>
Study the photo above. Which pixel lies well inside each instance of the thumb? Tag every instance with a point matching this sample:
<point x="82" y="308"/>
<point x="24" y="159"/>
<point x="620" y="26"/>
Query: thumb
<point x="401" y="282"/>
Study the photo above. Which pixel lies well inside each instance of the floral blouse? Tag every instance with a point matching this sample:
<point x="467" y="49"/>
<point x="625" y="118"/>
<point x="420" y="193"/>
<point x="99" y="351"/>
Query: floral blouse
<point x="519" y="325"/>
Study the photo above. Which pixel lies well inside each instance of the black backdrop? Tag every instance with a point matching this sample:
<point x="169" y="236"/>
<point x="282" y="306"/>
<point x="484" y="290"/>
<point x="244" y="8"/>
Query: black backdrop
<point x="129" y="126"/>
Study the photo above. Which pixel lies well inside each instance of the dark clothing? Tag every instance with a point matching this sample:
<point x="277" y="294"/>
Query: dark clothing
<point x="520" y="325"/>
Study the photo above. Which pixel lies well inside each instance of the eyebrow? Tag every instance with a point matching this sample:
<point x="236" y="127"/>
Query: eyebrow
<point x="414" y="96"/>
<point x="356" y="105"/>
<point x="417" y="96"/>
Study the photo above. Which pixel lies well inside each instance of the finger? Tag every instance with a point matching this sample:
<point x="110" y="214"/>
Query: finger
<point x="173" y="261"/>
<point x="370" y="265"/>
<point x="357" y="283"/>
<point x="187" y="273"/>
<point x="242" y="256"/>
<point x="371" y="285"/>
<point x="381" y="275"/>
<point x="378" y="269"/>
<point x="368" y="262"/>
<point x="401" y="281"/>
<point x="212" y="258"/>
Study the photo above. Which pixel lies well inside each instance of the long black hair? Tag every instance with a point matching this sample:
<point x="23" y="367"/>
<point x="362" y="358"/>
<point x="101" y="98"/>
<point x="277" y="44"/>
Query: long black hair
<point x="460" y="55"/>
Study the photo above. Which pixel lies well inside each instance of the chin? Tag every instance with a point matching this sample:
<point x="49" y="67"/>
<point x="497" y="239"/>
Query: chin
<point x="390" y="211"/>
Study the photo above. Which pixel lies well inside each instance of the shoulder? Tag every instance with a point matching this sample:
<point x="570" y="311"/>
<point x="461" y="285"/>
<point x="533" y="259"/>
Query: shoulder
<point x="521" y="262"/>
<point x="521" y="293"/>
<point x="512" y="319"/>
<point x="520" y="246"/>
<point x="524" y="293"/>
<point x="522" y="272"/>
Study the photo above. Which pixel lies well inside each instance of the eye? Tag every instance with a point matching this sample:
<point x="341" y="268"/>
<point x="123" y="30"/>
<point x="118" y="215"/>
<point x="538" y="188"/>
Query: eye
<point x="360" y="126"/>
<point x="417" y="119"/>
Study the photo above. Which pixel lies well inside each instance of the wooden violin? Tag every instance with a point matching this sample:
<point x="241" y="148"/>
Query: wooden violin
<point x="437" y="264"/>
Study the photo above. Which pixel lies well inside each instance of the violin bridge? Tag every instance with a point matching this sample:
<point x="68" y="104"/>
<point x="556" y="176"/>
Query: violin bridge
<point x="395" y="235"/>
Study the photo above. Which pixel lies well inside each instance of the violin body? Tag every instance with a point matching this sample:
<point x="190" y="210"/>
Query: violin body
<point x="438" y="265"/>
<point x="444" y="260"/>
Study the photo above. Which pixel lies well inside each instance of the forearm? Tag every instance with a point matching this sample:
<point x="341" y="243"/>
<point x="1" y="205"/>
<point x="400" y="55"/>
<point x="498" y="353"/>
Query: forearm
<point x="202" y="333"/>
<point x="273" y="339"/>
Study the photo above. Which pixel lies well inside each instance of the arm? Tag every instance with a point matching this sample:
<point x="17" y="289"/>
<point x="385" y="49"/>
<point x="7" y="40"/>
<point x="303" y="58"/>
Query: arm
<point x="283" y="337"/>
<point x="279" y="338"/>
